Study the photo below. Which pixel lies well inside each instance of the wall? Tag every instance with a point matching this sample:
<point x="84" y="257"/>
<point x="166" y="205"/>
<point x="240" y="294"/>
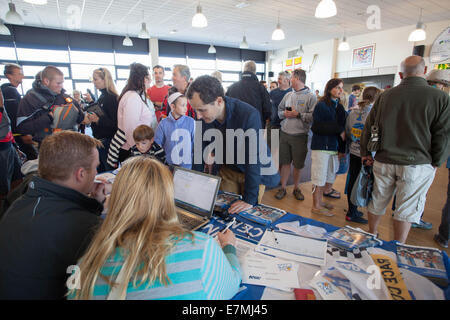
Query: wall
<point x="391" y="47"/>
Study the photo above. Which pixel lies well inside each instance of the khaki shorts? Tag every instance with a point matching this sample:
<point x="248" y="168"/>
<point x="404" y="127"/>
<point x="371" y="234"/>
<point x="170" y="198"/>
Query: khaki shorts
<point x="233" y="181"/>
<point x="323" y="167"/>
<point x="409" y="183"/>
<point x="293" y="149"/>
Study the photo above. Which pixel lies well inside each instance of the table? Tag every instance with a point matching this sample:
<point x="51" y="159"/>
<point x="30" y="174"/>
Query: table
<point x="256" y="232"/>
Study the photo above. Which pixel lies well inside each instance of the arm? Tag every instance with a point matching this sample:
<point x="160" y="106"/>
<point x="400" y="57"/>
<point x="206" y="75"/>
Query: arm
<point x="307" y="116"/>
<point x="221" y="275"/>
<point x="159" y="135"/>
<point x="282" y="107"/>
<point x="132" y="112"/>
<point x="440" y="131"/>
<point x="365" y="136"/>
<point x="109" y="119"/>
<point x="31" y="120"/>
<point x="267" y="104"/>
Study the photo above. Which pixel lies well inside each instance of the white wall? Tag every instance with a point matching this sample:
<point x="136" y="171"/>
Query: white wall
<point x="391" y="47"/>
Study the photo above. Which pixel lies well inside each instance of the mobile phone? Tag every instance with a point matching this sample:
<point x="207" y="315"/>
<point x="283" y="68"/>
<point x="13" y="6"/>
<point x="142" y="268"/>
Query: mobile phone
<point x="289" y="108"/>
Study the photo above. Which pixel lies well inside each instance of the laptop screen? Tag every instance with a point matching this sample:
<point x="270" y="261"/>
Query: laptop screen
<point x="195" y="191"/>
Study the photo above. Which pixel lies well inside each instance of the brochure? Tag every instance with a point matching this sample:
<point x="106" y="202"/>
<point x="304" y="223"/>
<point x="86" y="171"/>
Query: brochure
<point x="225" y="199"/>
<point x="262" y="214"/>
<point x="349" y="238"/>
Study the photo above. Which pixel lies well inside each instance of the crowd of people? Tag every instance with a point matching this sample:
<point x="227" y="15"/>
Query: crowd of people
<point x="50" y="219"/>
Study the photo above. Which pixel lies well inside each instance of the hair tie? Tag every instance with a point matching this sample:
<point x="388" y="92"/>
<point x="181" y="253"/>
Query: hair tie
<point x="174" y="96"/>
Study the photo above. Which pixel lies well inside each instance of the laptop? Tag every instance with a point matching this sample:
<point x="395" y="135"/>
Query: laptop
<point x="195" y="196"/>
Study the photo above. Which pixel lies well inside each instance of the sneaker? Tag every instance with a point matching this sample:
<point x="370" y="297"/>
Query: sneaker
<point x="437" y="238"/>
<point x="356" y="219"/>
<point x="298" y="194"/>
<point x="280" y="194"/>
<point x="422" y="225"/>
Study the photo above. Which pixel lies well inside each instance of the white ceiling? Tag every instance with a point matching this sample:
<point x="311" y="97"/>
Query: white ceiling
<point x="226" y="23"/>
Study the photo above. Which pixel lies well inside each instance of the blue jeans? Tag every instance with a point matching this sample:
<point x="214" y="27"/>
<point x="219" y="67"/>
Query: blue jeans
<point x="445" y="220"/>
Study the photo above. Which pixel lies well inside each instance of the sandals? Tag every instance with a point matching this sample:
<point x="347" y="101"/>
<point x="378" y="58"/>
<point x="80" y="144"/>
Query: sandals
<point x="328" y="206"/>
<point x="333" y="194"/>
<point x="323" y="212"/>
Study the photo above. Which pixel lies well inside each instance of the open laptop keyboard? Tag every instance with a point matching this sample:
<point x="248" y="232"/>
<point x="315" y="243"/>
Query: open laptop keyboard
<point x="189" y="222"/>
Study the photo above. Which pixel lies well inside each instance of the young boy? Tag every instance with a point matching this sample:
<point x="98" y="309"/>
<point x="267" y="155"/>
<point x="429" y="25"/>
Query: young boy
<point x="145" y="144"/>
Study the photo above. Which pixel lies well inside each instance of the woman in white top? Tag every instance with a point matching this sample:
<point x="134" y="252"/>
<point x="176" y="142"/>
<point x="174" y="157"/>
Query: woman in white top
<point x="134" y="110"/>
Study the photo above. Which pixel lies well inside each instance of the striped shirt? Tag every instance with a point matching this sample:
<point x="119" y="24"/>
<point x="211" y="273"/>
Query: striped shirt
<point x="198" y="270"/>
<point x="155" y="151"/>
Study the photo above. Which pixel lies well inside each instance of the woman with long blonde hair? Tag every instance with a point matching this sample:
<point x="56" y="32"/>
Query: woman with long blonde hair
<point x="104" y="118"/>
<point x="143" y="252"/>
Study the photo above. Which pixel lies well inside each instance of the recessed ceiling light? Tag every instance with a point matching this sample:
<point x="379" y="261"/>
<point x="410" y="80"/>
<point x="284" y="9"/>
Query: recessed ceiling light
<point x="242" y="4"/>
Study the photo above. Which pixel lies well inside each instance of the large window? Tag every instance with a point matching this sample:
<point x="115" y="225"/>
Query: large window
<point x="91" y="57"/>
<point x="26" y="54"/>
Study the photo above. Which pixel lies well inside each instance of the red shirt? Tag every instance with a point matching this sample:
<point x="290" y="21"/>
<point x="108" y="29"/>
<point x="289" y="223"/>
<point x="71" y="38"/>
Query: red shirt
<point x="156" y="94"/>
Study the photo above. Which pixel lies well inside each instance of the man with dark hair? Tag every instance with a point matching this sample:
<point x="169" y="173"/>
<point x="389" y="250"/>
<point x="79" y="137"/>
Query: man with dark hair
<point x="224" y="113"/>
<point x="251" y="91"/>
<point x="13" y="72"/>
<point x="47" y="229"/>
<point x="353" y="98"/>
<point x="35" y="115"/>
<point x="159" y="91"/>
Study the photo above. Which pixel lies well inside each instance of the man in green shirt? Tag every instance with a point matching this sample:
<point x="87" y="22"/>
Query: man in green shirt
<point x="414" y="130"/>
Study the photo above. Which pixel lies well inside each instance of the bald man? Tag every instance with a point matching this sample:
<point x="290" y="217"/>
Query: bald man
<point x="414" y="126"/>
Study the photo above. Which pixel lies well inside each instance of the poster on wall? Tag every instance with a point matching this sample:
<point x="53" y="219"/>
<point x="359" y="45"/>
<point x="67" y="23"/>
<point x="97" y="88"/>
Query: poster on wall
<point x="363" y="57"/>
<point x="440" y="50"/>
<point x="298" y="62"/>
<point x="289" y="64"/>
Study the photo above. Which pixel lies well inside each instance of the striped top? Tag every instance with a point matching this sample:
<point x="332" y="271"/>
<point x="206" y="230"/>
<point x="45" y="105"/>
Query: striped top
<point x="155" y="151"/>
<point x="198" y="270"/>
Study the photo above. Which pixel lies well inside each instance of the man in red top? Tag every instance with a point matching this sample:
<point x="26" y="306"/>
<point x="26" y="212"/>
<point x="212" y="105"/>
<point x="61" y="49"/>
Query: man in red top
<point x="159" y="91"/>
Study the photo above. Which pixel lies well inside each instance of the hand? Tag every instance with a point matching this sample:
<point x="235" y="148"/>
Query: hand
<point x="290" y="114"/>
<point x="27" y="139"/>
<point x="226" y="238"/>
<point x="93" y="117"/>
<point x="367" y="161"/>
<point x="88" y="97"/>
<point x="208" y="168"/>
<point x="343" y="136"/>
<point x="86" y="119"/>
<point x="239" y="206"/>
<point x="101" y="190"/>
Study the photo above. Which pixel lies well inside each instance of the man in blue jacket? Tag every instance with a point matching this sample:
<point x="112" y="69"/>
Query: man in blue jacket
<point x="240" y="160"/>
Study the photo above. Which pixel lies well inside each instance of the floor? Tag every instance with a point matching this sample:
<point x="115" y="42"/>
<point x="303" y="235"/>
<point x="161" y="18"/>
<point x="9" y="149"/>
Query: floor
<point x="436" y="199"/>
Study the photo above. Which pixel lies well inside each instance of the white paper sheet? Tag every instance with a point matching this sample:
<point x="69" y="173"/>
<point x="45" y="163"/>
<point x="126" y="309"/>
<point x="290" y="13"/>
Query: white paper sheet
<point x="293" y="247"/>
<point x="306" y="230"/>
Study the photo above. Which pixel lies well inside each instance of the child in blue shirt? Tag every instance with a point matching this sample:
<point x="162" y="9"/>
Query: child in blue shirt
<point x="176" y="132"/>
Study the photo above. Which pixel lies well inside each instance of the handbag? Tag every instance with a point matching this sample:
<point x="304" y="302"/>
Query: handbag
<point x="375" y="135"/>
<point x="363" y="187"/>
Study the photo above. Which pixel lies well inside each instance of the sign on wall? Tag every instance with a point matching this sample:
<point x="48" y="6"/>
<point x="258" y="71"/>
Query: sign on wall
<point x="363" y="57"/>
<point x="440" y="50"/>
<point x="289" y="64"/>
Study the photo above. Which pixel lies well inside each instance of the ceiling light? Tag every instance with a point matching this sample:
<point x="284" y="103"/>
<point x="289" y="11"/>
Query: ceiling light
<point x="199" y="19"/>
<point x="143" y="34"/>
<point x="419" y="34"/>
<point x="326" y="9"/>
<point x="12" y="16"/>
<point x="300" y="51"/>
<point x="344" y="46"/>
<point x="244" y="44"/>
<point x="127" y="42"/>
<point x="211" y="49"/>
<point x="38" y="2"/>
<point x="278" y="33"/>
<point x="173" y="31"/>
<point x="242" y="4"/>
<point x="4" y="31"/>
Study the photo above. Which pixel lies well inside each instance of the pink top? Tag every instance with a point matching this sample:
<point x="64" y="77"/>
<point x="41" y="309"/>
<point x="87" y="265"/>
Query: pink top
<point x="133" y="112"/>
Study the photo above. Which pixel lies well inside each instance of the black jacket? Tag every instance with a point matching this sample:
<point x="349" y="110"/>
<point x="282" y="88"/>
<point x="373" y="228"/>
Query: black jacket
<point x="252" y="92"/>
<point x="41" y="235"/>
<point x="33" y="114"/>
<point x="11" y="99"/>
<point x="107" y="124"/>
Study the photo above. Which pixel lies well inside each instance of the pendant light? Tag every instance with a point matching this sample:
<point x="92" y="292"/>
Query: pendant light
<point x="419" y="34"/>
<point x="127" y="42"/>
<point x="4" y="31"/>
<point x="278" y="33"/>
<point x="12" y="16"/>
<point x="37" y="2"/>
<point x="344" y="46"/>
<point x="211" y="49"/>
<point x="143" y="34"/>
<point x="199" y="19"/>
<point x="244" y="44"/>
<point x="300" y="51"/>
<point x="326" y="9"/>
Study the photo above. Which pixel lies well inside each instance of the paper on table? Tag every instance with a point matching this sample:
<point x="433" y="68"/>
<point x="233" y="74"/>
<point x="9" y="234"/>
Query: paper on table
<point x="293" y="247"/>
<point x="270" y="272"/>
<point x="306" y="230"/>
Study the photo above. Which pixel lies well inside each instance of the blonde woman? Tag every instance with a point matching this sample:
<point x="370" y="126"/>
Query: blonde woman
<point x="142" y="243"/>
<point x="104" y="123"/>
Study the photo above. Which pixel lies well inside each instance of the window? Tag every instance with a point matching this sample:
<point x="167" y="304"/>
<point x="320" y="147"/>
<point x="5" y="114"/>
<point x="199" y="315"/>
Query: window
<point x="120" y="84"/>
<point x="123" y="73"/>
<point x="125" y="59"/>
<point x="232" y="77"/>
<point x="84" y="71"/>
<point x="25" y="54"/>
<point x="227" y="65"/>
<point x="202" y="64"/>
<point x="169" y="62"/>
<point x="91" y="57"/>
<point x="83" y="86"/>
<point x="31" y="71"/>
<point x="197" y="73"/>
<point x="7" y="53"/>
<point x="260" y="68"/>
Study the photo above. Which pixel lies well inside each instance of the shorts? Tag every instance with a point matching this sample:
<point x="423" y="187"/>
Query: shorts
<point x="9" y="168"/>
<point x="323" y="167"/>
<point x="409" y="183"/>
<point x="293" y="149"/>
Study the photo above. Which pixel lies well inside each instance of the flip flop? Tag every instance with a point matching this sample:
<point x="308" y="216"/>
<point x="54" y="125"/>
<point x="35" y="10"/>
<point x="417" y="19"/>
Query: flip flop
<point x="323" y="212"/>
<point x="333" y="194"/>
<point x="328" y="206"/>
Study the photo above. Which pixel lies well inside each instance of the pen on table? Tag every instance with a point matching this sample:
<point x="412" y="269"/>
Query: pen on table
<point x="274" y="237"/>
<point x="228" y="226"/>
